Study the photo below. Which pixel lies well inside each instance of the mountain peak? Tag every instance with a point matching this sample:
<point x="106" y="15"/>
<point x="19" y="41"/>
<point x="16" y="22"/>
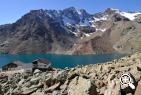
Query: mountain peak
<point x="70" y="8"/>
<point x="75" y="10"/>
<point x="111" y="11"/>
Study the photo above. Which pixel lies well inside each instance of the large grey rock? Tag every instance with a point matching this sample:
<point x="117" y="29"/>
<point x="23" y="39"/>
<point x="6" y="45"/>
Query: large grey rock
<point x="139" y="67"/>
<point x="56" y="92"/>
<point x="52" y="88"/>
<point x="37" y="71"/>
<point x="1" y="92"/>
<point x="138" y="89"/>
<point x="81" y="86"/>
<point x="102" y="90"/>
<point x="60" y="76"/>
<point x="21" y="82"/>
<point x="113" y="88"/>
<point x="30" y="90"/>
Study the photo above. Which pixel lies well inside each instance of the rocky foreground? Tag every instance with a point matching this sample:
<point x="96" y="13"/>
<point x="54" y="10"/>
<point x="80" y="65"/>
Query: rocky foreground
<point x="99" y="79"/>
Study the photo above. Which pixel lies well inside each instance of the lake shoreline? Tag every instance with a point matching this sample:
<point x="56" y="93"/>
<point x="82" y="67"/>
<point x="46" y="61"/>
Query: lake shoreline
<point x="67" y="54"/>
<point x="61" y="61"/>
<point x="94" y="79"/>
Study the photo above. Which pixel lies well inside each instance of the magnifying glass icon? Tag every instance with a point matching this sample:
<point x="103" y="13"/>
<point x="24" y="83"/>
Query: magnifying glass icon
<point x="125" y="79"/>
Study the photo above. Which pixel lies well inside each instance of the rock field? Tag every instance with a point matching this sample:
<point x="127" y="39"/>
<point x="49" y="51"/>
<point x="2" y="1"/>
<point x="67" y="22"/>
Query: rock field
<point x="98" y="79"/>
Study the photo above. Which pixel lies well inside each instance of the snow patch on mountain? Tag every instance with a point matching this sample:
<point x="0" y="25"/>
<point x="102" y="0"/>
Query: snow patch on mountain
<point x="130" y="16"/>
<point x="102" y="30"/>
<point x="67" y="21"/>
<point x="101" y="18"/>
<point x="88" y="34"/>
<point x="48" y="14"/>
<point x="76" y="34"/>
<point x="4" y="43"/>
<point x="78" y="11"/>
<point x="85" y="23"/>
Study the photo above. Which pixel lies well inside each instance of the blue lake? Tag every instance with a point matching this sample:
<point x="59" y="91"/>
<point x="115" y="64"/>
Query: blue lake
<point x="61" y="61"/>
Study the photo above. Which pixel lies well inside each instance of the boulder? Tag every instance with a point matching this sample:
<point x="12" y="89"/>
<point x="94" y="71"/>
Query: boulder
<point x="81" y="86"/>
<point x="131" y="94"/>
<point x="99" y="83"/>
<point x="17" y="91"/>
<point x="52" y="88"/>
<point x="112" y="76"/>
<point x="1" y="92"/>
<point x="60" y="76"/>
<point x="102" y="90"/>
<point x="38" y="93"/>
<point x="28" y="91"/>
<point x="47" y="83"/>
<point x="21" y="82"/>
<point x="72" y="75"/>
<point x="64" y="86"/>
<point x="37" y="71"/>
<point x="93" y="75"/>
<point x="34" y="81"/>
<point x="139" y="67"/>
<point x="32" y="89"/>
<point x="138" y="89"/>
<point x="113" y="88"/>
<point x="56" y="92"/>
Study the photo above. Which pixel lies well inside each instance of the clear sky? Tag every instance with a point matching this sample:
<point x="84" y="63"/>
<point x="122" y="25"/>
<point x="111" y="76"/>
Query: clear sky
<point x="11" y="10"/>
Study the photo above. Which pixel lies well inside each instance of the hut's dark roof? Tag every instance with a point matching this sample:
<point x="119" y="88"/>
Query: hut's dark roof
<point x="18" y="63"/>
<point x="41" y="60"/>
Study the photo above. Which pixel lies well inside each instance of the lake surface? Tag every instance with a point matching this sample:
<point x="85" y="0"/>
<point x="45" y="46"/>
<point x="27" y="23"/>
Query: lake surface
<point x="61" y="61"/>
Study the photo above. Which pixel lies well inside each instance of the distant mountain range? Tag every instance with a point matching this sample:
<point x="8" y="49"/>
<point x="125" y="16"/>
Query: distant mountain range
<point x="72" y="31"/>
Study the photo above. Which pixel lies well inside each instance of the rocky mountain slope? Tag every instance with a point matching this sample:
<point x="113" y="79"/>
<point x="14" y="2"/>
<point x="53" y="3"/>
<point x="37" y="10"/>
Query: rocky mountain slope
<point x="68" y="31"/>
<point x="98" y="79"/>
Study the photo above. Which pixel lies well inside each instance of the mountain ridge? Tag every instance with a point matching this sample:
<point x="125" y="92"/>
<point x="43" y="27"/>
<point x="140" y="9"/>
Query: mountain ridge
<point x="68" y="31"/>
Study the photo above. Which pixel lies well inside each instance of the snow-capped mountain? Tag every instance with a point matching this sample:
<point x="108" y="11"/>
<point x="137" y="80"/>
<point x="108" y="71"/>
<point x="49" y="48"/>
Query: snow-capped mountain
<point x="70" y="31"/>
<point x="111" y="11"/>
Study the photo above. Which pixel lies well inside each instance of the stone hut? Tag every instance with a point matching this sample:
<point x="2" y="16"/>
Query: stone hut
<point x="17" y="65"/>
<point x="41" y="64"/>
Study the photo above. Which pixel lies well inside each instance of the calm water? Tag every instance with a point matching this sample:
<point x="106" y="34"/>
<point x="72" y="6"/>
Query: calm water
<point x="60" y="61"/>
